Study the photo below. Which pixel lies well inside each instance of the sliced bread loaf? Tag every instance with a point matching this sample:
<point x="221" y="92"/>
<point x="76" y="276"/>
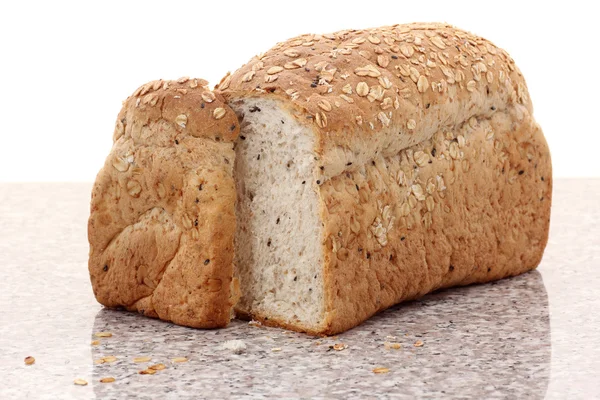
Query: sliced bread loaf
<point x="379" y="165"/>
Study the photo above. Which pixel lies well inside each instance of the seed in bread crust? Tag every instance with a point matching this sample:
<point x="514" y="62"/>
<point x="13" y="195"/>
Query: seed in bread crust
<point x="367" y="70"/>
<point x="383" y="61"/>
<point x="181" y="120"/>
<point x="219" y="113"/>
<point x="134" y="188"/>
<point x="248" y="76"/>
<point x="274" y="70"/>
<point x="422" y="84"/>
<point x="438" y="42"/>
<point x="362" y="89"/>
<point x="291" y="53"/>
<point x="384" y="119"/>
<point x="411" y="124"/>
<point x="321" y="119"/>
<point x="120" y="164"/>
<point x="324" y="104"/>
<point x="374" y="39"/>
<point x="208" y="97"/>
<point x="407" y="51"/>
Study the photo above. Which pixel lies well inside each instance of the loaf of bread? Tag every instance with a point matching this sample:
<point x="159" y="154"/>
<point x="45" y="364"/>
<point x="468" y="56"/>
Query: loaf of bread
<point x="371" y="167"/>
<point x="162" y="218"/>
<point x="378" y="166"/>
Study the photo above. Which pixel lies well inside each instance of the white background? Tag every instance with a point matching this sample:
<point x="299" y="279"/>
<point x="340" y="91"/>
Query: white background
<point x="65" y="67"/>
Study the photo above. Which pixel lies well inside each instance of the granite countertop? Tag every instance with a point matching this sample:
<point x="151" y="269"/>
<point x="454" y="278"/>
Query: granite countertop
<point x="533" y="336"/>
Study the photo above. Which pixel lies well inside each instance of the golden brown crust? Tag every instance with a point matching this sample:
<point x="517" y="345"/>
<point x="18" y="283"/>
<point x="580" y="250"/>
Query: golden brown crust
<point x="377" y="96"/>
<point x="376" y="91"/>
<point x="162" y="213"/>
<point x="475" y="209"/>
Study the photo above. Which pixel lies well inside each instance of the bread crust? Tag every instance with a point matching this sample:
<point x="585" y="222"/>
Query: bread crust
<point x="377" y="91"/>
<point x="162" y="215"/>
<point x="405" y="227"/>
<point x="400" y="218"/>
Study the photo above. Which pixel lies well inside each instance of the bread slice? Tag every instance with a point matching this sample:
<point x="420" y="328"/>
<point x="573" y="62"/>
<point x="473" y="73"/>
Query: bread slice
<point x="162" y="220"/>
<point x="377" y="166"/>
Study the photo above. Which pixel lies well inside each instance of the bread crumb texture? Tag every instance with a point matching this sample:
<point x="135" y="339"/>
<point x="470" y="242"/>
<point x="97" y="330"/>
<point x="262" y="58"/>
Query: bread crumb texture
<point x="162" y="211"/>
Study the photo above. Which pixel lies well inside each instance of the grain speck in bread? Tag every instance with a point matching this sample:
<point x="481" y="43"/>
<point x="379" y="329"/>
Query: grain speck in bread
<point x="162" y="211"/>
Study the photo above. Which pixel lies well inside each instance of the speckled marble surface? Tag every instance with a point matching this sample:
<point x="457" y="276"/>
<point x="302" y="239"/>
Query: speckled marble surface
<point x="533" y="336"/>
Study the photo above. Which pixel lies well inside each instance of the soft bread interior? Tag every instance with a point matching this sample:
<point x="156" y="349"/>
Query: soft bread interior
<point x="278" y="255"/>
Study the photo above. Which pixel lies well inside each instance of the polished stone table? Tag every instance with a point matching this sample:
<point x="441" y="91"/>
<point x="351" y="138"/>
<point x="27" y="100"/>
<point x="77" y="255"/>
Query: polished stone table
<point x="533" y="336"/>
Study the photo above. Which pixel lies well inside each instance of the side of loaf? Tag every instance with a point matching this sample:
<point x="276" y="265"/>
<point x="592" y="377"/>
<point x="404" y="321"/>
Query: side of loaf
<point x="162" y="212"/>
<point x="376" y="166"/>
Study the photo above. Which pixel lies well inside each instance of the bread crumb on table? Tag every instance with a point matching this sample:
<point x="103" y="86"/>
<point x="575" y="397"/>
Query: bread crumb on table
<point x="339" y="346"/>
<point x="236" y="346"/>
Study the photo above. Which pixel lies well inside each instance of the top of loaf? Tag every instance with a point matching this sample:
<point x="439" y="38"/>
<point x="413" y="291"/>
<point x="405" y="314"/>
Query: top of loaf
<point x="395" y="86"/>
<point x="187" y="103"/>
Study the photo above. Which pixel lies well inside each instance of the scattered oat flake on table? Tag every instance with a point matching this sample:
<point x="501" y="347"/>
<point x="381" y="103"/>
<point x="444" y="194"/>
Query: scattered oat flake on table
<point x="419" y="343"/>
<point x="80" y="382"/>
<point x="147" y="371"/>
<point x="276" y="349"/>
<point x="180" y="359"/>
<point x="95" y="342"/>
<point x="29" y="360"/>
<point x="157" y="367"/>
<point x="107" y="359"/>
<point x="141" y="359"/>
<point x="381" y="370"/>
<point x="389" y="345"/>
<point x="340" y="346"/>
<point x="108" y="379"/>
<point x="103" y="334"/>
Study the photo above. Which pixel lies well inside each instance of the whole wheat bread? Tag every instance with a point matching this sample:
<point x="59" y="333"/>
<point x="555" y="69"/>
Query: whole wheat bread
<point x="372" y="167"/>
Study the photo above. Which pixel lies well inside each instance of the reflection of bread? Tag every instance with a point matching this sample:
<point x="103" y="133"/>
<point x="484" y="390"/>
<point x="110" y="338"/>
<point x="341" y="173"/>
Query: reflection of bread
<point x="423" y="169"/>
<point x="161" y="223"/>
<point x="372" y="167"/>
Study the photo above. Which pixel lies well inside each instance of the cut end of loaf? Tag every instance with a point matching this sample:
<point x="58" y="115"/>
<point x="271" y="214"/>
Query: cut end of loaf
<point x="278" y="255"/>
